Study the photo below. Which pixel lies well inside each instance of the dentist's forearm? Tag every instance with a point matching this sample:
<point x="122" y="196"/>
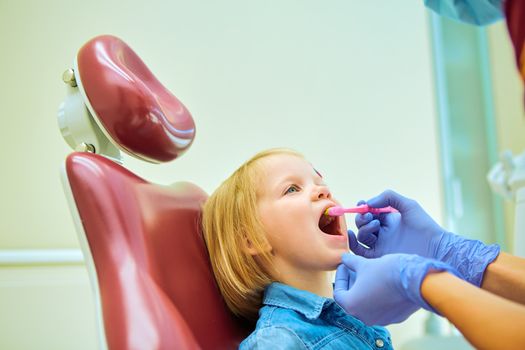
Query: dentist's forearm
<point x="506" y="277"/>
<point x="486" y="320"/>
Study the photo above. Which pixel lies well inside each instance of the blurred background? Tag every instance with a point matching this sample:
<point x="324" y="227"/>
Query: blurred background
<point x="375" y="94"/>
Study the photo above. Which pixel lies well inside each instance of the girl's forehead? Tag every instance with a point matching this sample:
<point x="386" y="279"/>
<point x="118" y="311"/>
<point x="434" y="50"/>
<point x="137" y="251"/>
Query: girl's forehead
<point x="277" y="167"/>
<point x="279" y="163"/>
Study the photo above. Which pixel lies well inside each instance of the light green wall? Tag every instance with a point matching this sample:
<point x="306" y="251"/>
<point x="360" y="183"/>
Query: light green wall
<point x="347" y="83"/>
<point x="508" y="104"/>
<point x="467" y="132"/>
<point x="46" y="307"/>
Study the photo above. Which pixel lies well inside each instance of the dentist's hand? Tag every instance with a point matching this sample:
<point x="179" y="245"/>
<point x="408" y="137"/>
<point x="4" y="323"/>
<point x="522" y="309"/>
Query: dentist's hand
<point x="384" y="290"/>
<point x="413" y="231"/>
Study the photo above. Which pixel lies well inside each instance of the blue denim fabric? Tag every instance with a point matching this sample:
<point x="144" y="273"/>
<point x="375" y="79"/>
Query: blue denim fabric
<point x="296" y="319"/>
<point x="479" y="12"/>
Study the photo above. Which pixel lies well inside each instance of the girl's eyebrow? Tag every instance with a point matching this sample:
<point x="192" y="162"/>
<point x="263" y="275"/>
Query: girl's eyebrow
<point x="323" y="183"/>
<point x="285" y="180"/>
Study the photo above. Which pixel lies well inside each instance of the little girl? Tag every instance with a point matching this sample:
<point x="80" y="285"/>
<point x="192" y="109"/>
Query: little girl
<point x="273" y="252"/>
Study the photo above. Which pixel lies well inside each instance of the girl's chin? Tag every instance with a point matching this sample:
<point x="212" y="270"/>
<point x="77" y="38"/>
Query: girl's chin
<point x="339" y="255"/>
<point x="335" y="262"/>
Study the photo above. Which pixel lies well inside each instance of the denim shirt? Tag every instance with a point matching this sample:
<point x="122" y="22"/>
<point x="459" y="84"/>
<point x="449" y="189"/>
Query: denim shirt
<point x="296" y="319"/>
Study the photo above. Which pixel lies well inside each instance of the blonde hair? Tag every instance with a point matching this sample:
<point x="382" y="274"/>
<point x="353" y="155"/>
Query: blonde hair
<point x="230" y="225"/>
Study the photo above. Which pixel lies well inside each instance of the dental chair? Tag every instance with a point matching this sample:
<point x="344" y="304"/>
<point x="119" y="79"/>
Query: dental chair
<point x="146" y="258"/>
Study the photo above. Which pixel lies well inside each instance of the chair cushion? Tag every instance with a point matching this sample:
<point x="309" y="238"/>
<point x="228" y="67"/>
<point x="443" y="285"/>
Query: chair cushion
<point x="156" y="285"/>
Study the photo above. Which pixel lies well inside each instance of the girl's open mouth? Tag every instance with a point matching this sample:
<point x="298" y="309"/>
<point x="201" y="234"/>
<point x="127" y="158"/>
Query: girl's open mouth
<point x="329" y="225"/>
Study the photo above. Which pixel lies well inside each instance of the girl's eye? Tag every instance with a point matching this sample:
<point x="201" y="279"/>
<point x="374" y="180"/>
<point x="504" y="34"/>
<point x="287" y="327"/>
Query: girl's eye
<point x="291" y="189"/>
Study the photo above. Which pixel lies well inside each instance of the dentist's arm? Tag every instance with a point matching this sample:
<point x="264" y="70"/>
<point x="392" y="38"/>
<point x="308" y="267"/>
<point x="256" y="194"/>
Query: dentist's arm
<point x="413" y="231"/>
<point x="390" y="288"/>
<point x="506" y="277"/>
<point x="487" y="321"/>
<point x="384" y="290"/>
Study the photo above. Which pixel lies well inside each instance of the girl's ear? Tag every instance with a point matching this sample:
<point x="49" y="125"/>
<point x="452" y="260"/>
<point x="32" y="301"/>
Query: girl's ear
<point x="250" y="248"/>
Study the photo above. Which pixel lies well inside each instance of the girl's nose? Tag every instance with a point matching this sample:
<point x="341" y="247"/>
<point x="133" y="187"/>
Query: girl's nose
<point x="322" y="192"/>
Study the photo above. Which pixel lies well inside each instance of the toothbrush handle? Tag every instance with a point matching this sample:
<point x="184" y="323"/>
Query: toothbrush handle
<point x="382" y="210"/>
<point x="361" y="209"/>
<point x="364" y="208"/>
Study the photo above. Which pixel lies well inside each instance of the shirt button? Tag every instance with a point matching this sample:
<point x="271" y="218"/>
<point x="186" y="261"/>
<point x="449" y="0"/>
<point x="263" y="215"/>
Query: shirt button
<point x="380" y="343"/>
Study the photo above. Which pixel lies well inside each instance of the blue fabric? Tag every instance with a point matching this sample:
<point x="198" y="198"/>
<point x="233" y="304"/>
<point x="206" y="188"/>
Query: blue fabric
<point x="296" y="319"/>
<point x="479" y="12"/>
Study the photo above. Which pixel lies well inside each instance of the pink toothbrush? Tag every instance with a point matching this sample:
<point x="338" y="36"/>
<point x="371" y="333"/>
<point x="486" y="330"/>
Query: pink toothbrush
<point x="360" y="209"/>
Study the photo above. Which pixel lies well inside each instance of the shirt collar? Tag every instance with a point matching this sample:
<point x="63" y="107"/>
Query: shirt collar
<point x="304" y="302"/>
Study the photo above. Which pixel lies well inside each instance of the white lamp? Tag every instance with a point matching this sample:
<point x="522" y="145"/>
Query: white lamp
<point x="508" y="179"/>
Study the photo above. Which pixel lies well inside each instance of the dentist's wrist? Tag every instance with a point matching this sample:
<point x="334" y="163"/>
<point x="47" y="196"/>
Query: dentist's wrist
<point x="437" y="289"/>
<point x="469" y="257"/>
<point x="414" y="277"/>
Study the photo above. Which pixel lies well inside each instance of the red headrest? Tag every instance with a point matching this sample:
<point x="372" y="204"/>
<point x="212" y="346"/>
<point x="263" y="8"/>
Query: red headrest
<point x="130" y="105"/>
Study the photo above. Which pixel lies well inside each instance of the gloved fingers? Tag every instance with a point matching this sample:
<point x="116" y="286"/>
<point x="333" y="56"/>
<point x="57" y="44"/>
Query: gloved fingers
<point x="342" y="279"/>
<point x="371" y="227"/>
<point x="391" y="219"/>
<point x="390" y="198"/>
<point x="351" y="278"/>
<point x="353" y="262"/>
<point x="355" y="246"/>
<point x="367" y="238"/>
<point x="367" y="234"/>
<point x="363" y="219"/>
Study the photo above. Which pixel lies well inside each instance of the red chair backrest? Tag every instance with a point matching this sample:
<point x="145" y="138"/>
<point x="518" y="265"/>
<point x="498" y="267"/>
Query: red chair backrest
<point x="155" y="282"/>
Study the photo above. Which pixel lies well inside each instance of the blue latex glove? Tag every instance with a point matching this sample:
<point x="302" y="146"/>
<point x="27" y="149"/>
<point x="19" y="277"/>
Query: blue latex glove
<point x="413" y="231"/>
<point x="384" y="290"/>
